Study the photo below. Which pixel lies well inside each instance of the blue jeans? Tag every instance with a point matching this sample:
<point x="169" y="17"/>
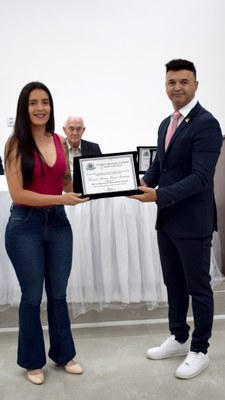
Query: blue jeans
<point x="39" y="244"/>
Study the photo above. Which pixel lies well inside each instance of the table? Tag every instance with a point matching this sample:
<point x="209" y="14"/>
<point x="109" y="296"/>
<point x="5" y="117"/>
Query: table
<point x="115" y="257"/>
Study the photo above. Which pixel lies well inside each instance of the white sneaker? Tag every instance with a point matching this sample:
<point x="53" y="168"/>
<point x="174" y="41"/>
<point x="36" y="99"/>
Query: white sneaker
<point x="193" y="364"/>
<point x="170" y="348"/>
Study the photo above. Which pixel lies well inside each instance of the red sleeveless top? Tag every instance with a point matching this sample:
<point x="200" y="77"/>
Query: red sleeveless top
<point x="49" y="180"/>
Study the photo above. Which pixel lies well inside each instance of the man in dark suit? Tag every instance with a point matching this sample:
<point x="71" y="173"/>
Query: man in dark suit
<point x="74" y="129"/>
<point x="1" y="167"/>
<point x="183" y="177"/>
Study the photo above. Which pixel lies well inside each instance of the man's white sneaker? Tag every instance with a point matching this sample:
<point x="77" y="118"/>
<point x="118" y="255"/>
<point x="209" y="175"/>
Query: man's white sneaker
<point x="193" y="364"/>
<point x="170" y="348"/>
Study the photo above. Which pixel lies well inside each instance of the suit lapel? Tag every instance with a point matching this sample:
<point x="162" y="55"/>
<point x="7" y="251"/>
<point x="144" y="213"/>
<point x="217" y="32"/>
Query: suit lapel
<point x="186" y="121"/>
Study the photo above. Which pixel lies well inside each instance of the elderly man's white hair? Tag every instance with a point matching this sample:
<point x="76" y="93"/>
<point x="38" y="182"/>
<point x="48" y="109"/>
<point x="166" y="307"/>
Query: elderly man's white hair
<point x="74" y="117"/>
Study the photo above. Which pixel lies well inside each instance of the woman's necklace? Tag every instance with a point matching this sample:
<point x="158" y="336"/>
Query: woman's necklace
<point x="40" y="139"/>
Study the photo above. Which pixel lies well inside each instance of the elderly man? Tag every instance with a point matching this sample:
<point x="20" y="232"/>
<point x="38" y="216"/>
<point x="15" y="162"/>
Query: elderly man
<point x="74" y="129"/>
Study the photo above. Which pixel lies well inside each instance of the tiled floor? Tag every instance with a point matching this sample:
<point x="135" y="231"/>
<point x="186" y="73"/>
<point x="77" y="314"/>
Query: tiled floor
<point x="116" y="367"/>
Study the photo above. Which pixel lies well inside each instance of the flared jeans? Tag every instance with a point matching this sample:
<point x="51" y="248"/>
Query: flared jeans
<point x="39" y="244"/>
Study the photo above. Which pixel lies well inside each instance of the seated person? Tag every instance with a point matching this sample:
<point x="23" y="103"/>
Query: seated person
<point x="74" y="129"/>
<point x="1" y="167"/>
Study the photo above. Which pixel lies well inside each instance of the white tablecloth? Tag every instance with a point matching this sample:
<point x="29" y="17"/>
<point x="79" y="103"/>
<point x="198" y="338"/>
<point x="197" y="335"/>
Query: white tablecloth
<point x="115" y="256"/>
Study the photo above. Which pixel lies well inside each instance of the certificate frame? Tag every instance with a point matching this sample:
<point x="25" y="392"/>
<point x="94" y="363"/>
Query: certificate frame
<point x="146" y="155"/>
<point x="106" y="175"/>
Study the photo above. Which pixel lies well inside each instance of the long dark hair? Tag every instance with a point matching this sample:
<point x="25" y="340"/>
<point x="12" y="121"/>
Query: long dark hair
<point x="22" y="135"/>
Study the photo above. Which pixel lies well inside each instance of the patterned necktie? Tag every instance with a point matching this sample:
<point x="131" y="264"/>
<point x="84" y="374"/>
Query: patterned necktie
<point x="173" y="126"/>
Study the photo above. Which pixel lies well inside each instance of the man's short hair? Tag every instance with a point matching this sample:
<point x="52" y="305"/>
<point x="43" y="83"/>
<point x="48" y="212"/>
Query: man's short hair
<point x="178" y="64"/>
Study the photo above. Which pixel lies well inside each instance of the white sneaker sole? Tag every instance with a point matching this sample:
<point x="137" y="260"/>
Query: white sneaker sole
<point x="189" y="376"/>
<point x="168" y="355"/>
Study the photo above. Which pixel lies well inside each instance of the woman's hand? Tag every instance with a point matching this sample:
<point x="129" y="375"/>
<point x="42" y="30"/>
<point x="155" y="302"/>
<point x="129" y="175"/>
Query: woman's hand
<point x="149" y="194"/>
<point x="71" y="199"/>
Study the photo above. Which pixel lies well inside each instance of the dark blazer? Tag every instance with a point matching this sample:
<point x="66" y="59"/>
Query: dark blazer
<point x="1" y="167"/>
<point x="184" y="175"/>
<point x="90" y="148"/>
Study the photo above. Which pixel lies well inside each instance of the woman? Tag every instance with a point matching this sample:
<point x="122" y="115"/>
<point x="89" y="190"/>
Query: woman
<point x="38" y="235"/>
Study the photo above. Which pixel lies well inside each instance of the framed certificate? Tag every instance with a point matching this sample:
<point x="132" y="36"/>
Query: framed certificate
<point x="106" y="175"/>
<point x="146" y="155"/>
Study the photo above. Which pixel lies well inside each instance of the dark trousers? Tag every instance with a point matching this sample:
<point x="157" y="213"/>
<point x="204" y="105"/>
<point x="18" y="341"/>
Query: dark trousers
<point x="185" y="267"/>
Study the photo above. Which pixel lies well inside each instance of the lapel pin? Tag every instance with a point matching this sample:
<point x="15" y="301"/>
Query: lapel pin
<point x="187" y="119"/>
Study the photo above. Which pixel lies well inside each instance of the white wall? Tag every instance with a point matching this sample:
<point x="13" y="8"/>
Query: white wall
<point x="105" y="59"/>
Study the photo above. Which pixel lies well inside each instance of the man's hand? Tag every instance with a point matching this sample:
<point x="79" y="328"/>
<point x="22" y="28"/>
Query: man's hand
<point x="149" y="195"/>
